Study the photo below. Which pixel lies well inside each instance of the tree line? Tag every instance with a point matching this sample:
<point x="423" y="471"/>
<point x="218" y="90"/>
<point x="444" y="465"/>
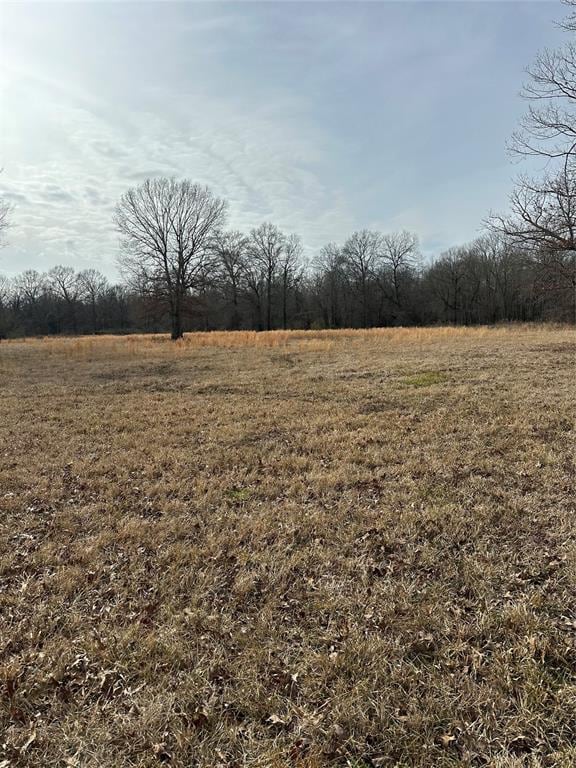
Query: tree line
<point x="184" y="270"/>
<point x="260" y="281"/>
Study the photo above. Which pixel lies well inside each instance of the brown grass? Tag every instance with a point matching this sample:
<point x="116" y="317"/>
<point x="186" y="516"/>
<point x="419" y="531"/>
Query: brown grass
<point x="348" y="548"/>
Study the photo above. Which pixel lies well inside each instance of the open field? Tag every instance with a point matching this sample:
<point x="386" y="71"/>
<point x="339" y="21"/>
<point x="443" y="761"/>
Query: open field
<point x="289" y="549"/>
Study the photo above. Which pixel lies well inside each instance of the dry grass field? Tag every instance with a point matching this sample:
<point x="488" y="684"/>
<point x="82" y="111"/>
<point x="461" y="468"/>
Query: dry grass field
<point x="289" y="550"/>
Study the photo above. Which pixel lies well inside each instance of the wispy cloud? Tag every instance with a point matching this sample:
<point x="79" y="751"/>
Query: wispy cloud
<point x="321" y="118"/>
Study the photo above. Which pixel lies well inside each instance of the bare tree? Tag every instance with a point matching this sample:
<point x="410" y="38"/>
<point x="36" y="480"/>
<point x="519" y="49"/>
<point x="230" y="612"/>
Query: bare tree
<point x="447" y="277"/>
<point x="29" y="286"/>
<point x="255" y="283"/>
<point x="64" y="283"/>
<point x="543" y="223"/>
<point x="167" y="229"/>
<point x="548" y="129"/>
<point x="265" y="249"/>
<point x="362" y="253"/>
<point x="543" y="214"/>
<point x="543" y="210"/>
<point x="290" y="271"/>
<point x="330" y="269"/>
<point x="93" y="285"/>
<point x="231" y="249"/>
<point x="399" y="254"/>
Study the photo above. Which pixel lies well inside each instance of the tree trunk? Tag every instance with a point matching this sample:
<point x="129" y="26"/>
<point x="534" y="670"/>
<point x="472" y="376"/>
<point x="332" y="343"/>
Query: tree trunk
<point x="269" y="302"/>
<point x="177" y="332"/>
<point x="176" y="319"/>
<point x="94" y="317"/>
<point x="285" y="303"/>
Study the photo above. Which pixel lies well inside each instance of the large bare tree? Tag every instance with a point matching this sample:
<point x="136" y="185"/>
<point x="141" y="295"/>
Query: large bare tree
<point x="167" y="228"/>
<point x="542" y="219"/>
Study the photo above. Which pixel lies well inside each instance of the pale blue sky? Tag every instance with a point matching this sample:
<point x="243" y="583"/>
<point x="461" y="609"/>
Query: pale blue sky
<point x="323" y="117"/>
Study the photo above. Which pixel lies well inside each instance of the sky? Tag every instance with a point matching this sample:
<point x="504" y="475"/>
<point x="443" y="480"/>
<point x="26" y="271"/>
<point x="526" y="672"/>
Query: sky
<point x="322" y="117"/>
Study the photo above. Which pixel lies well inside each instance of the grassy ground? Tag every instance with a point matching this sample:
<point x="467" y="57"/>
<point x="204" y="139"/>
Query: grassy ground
<point x="349" y="549"/>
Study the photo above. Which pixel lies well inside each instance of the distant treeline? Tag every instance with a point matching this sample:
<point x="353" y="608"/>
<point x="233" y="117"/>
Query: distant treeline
<point x="370" y="280"/>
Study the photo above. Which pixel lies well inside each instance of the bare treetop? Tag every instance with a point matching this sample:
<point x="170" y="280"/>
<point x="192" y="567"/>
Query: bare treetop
<point x="543" y="210"/>
<point x="570" y="22"/>
<point x="400" y="249"/>
<point x="548" y="129"/>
